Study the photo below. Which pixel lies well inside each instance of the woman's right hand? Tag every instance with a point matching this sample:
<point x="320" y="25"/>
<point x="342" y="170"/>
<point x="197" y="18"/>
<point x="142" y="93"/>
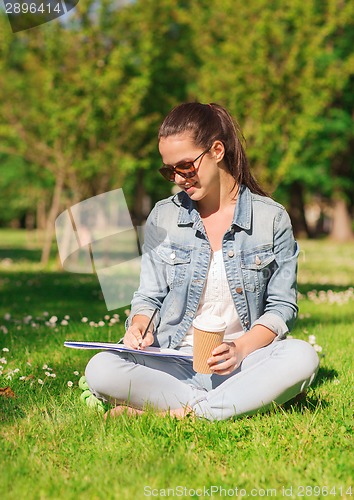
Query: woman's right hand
<point x="133" y="337"/>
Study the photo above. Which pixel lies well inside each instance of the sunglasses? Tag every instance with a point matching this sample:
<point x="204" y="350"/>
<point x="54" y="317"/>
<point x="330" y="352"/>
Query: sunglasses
<point x="185" y="169"/>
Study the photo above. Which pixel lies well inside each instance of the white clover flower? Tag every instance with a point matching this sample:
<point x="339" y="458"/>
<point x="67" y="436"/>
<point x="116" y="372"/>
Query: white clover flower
<point x="107" y="317"/>
<point x="47" y="373"/>
<point x="317" y="348"/>
<point x="84" y="319"/>
<point x="70" y="383"/>
<point x="45" y="367"/>
<point x="76" y="373"/>
<point x="92" y="323"/>
<point x="66" y="316"/>
<point x="27" y="319"/>
<point x="53" y="375"/>
<point x="5" y="349"/>
<point x="23" y="377"/>
<point x="53" y="320"/>
<point x="46" y="313"/>
<point x="113" y="321"/>
<point x="101" y="323"/>
<point x="9" y="376"/>
<point x="3" y="361"/>
<point x="4" y="329"/>
<point x="40" y="381"/>
<point x="127" y="312"/>
<point x="16" y="370"/>
<point x="7" y="316"/>
<point x="312" y="339"/>
<point x="64" y="322"/>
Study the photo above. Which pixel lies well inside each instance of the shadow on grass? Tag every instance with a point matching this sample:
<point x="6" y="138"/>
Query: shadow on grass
<point x="304" y="288"/>
<point x="324" y="374"/>
<point x="56" y="292"/>
<point x="303" y="401"/>
<point x="10" y="410"/>
<point x="21" y="254"/>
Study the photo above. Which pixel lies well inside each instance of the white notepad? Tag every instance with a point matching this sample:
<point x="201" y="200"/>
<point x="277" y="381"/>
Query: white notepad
<point x="112" y="346"/>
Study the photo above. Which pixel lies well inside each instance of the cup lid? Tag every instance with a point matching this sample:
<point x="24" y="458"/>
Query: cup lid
<point x="209" y="323"/>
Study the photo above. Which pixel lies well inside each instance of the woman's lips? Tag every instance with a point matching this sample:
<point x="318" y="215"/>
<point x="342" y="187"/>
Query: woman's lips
<point x="188" y="188"/>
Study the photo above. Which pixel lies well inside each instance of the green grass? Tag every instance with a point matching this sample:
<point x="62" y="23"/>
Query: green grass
<point x="54" y="447"/>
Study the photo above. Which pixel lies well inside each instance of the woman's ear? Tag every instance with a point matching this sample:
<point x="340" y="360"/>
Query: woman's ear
<point x="218" y="151"/>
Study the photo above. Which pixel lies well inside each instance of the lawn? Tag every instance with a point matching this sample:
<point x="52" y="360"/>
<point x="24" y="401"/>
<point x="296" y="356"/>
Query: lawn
<point x="54" y="447"/>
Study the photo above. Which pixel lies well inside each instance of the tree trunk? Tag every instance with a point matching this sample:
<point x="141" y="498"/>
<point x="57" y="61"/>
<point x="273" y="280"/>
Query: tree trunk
<point x="41" y="215"/>
<point x="29" y="221"/>
<point x="341" y="222"/>
<point x="53" y="213"/>
<point x="297" y="211"/>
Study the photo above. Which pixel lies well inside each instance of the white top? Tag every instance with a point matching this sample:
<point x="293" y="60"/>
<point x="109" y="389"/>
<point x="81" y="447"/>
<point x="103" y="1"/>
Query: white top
<point x="216" y="300"/>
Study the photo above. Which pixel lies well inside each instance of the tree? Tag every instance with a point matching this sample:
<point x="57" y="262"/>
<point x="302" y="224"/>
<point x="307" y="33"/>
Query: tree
<point x="286" y="70"/>
<point x="72" y="93"/>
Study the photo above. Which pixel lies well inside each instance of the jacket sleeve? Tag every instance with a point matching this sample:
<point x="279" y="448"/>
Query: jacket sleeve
<point x="281" y="308"/>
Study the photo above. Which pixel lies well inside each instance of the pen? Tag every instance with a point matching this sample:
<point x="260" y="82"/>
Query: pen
<point x="148" y="326"/>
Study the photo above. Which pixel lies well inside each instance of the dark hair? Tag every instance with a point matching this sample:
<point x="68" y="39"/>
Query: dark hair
<point x="208" y="123"/>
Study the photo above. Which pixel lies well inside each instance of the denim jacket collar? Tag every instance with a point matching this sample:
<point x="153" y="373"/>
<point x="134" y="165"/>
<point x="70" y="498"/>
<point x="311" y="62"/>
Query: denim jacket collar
<point x="189" y="215"/>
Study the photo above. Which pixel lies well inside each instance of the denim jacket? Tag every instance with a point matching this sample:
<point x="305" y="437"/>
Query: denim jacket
<point x="260" y="258"/>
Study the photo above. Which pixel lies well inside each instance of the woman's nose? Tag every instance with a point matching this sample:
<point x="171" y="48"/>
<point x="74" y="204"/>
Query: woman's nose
<point x="179" y="179"/>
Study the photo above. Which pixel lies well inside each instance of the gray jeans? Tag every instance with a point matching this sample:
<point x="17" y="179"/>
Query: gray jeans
<point x="277" y="372"/>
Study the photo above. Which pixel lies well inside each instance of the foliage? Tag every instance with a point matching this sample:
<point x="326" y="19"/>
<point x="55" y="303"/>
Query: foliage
<point x="83" y="99"/>
<point x="286" y="70"/>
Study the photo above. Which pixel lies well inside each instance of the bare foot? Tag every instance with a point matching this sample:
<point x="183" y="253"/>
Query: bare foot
<point x="122" y="410"/>
<point x="179" y="413"/>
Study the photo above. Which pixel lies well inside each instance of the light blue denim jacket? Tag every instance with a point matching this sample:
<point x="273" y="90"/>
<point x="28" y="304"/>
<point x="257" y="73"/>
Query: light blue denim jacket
<point x="260" y="257"/>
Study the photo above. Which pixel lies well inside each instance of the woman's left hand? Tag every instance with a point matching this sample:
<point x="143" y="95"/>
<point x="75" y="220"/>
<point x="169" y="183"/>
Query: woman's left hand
<point x="225" y="359"/>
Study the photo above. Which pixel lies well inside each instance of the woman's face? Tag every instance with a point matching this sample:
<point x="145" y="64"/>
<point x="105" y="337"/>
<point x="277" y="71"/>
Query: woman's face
<point x="177" y="148"/>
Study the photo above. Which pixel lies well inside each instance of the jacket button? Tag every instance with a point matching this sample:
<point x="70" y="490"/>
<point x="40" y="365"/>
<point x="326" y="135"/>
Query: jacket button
<point x="230" y="253"/>
<point x="173" y="256"/>
<point x="239" y="290"/>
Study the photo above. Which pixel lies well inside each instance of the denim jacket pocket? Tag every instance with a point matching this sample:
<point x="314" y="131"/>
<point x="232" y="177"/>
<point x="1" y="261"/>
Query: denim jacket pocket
<point x="176" y="259"/>
<point x="257" y="266"/>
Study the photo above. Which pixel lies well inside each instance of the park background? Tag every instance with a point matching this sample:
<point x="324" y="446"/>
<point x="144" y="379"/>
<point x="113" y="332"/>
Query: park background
<point x="81" y="100"/>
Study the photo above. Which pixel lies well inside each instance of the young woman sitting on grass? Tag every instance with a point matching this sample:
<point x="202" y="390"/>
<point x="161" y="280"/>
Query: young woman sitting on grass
<point x="220" y="246"/>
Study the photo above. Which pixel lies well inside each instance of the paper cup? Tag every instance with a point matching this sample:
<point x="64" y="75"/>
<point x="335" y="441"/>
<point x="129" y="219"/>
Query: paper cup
<point x="208" y="334"/>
